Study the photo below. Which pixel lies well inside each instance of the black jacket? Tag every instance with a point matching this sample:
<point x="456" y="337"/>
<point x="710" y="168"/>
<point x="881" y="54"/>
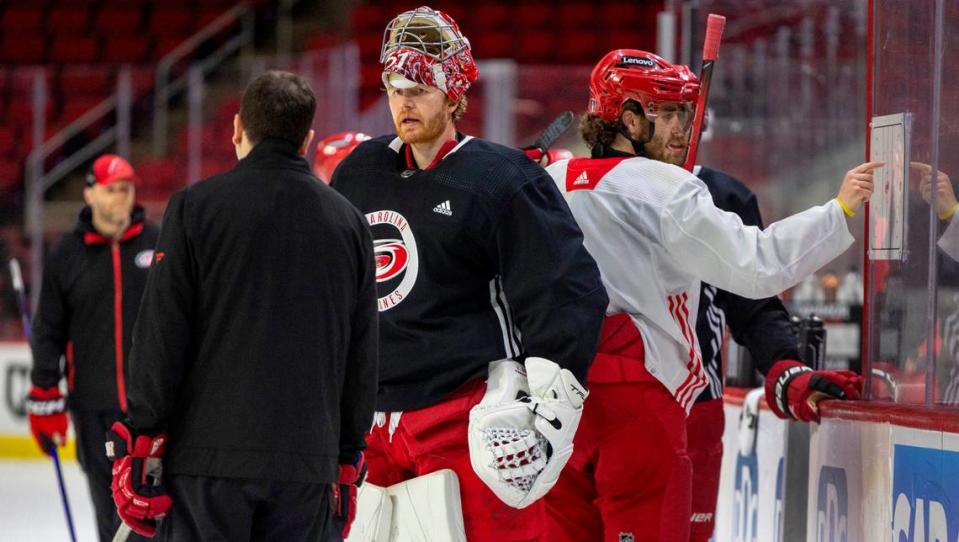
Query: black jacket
<point x="256" y="342"/>
<point x="88" y="281"/>
<point x="761" y="325"/>
<point x="478" y="259"/>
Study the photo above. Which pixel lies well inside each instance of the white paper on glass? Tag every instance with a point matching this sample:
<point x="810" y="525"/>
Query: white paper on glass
<point x="888" y="212"/>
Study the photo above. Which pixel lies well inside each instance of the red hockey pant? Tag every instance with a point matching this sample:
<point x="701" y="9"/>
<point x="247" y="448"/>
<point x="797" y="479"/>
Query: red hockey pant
<point x="434" y="438"/>
<point x="704" y="431"/>
<point x="629" y="476"/>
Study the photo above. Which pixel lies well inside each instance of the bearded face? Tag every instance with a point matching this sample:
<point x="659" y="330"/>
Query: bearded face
<point x="420" y="114"/>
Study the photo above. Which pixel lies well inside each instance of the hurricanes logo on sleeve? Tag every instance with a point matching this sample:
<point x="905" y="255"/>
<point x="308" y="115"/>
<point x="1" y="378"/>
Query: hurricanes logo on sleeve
<point x="396" y="258"/>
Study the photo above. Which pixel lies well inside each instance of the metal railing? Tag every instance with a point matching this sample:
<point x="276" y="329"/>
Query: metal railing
<point x="165" y="88"/>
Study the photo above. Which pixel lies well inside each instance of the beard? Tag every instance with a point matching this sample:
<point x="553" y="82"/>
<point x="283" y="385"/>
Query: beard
<point x="425" y="130"/>
<point x="658" y="149"/>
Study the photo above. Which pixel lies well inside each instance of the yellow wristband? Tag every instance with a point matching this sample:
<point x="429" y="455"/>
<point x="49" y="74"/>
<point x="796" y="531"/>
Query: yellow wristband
<point x="849" y="212"/>
<point x="948" y="214"/>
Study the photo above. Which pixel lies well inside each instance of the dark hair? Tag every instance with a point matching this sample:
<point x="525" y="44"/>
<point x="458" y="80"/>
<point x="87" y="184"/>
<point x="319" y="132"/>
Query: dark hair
<point x="596" y="131"/>
<point x="278" y="104"/>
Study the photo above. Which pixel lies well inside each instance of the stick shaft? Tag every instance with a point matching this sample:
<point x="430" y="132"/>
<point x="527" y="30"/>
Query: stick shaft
<point x="714" y="32"/>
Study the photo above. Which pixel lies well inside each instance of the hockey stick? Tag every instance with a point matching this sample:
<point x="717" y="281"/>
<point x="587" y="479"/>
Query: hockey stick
<point x="25" y="319"/>
<point x="552" y="132"/>
<point x="714" y="33"/>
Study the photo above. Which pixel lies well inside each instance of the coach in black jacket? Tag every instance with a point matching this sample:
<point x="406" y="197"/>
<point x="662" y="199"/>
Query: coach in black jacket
<point x="92" y="285"/>
<point x="255" y="353"/>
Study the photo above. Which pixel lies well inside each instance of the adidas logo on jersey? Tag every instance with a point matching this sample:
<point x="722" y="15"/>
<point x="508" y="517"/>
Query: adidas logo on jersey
<point x="582" y="179"/>
<point x="444" y="208"/>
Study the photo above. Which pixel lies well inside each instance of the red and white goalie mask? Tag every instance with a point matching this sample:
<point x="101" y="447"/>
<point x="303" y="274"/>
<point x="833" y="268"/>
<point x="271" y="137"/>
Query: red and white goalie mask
<point x="425" y="46"/>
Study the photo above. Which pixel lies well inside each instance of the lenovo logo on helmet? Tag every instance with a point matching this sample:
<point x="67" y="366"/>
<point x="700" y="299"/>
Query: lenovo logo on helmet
<point x="637" y="61"/>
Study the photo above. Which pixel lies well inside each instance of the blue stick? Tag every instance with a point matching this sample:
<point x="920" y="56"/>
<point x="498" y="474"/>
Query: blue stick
<point x="63" y="492"/>
<point x="25" y="318"/>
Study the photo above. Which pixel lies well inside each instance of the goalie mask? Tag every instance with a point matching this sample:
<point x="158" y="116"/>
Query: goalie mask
<point x="425" y="46"/>
<point x="631" y="74"/>
<point x="521" y="433"/>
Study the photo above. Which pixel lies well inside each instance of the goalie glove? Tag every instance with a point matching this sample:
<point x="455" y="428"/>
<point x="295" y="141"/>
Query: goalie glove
<point x="794" y="390"/>
<point x="521" y="433"/>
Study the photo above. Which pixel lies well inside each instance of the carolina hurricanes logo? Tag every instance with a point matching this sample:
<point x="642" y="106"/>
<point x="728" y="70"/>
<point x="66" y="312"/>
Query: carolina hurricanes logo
<point x="391" y="258"/>
<point x="396" y="258"/>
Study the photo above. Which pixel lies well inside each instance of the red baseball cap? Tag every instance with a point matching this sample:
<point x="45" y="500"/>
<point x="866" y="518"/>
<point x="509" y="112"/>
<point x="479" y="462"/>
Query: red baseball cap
<point x="111" y="168"/>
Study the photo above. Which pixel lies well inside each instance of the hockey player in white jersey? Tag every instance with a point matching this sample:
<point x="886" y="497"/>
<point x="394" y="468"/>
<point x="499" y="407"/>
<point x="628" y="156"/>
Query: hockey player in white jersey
<point x="656" y="235"/>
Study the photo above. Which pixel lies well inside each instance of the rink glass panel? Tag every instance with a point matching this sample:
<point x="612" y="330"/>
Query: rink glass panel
<point x="786" y="116"/>
<point x="913" y="302"/>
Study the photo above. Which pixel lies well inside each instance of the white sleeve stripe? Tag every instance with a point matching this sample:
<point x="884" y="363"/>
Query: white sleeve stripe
<point x="499" y="309"/>
<point x="515" y="336"/>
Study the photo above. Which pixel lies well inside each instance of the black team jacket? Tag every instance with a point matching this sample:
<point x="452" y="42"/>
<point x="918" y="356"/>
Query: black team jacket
<point x="256" y="343"/>
<point x="88" y="304"/>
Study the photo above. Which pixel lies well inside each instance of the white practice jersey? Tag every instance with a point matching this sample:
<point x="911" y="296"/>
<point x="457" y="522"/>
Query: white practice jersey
<point x="949" y="242"/>
<point x="655" y="233"/>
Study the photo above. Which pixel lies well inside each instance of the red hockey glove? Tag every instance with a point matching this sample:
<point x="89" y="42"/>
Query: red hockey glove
<point x="344" y="492"/>
<point x="794" y="390"/>
<point x="46" y="411"/>
<point x="140" y="497"/>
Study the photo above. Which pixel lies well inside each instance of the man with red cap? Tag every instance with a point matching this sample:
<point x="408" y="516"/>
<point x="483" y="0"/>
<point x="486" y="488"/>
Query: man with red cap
<point x="480" y="269"/>
<point x="92" y="284"/>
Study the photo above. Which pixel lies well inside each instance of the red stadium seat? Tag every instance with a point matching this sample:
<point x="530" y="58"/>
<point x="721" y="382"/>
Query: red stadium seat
<point x="208" y="15"/>
<point x="369" y="17"/>
<point x="535" y="47"/>
<point x="10" y="173"/>
<point x="113" y="22"/>
<point x="492" y="16"/>
<point x="73" y="49"/>
<point x="578" y="47"/>
<point x="166" y="44"/>
<point x="73" y="108"/>
<point x="8" y="140"/>
<point x="576" y="15"/>
<point x="20" y="114"/>
<point x="370" y="44"/>
<point x="490" y="44"/>
<point x="533" y="16"/>
<point x="86" y="81"/>
<point x="68" y="20"/>
<point x="166" y="20"/>
<point x="22" y="48"/>
<point x="623" y="15"/>
<point x="143" y="79"/>
<point x="130" y="48"/>
<point x="622" y="39"/>
<point x="22" y="19"/>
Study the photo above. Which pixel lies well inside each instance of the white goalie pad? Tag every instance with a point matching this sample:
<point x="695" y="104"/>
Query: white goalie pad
<point x="428" y="509"/>
<point x="424" y="509"/>
<point x="374" y="511"/>
<point x="521" y="433"/>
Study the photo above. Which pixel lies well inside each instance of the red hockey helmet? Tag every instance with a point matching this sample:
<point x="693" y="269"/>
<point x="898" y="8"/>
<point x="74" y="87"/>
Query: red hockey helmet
<point x="332" y="150"/>
<point x="631" y="74"/>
